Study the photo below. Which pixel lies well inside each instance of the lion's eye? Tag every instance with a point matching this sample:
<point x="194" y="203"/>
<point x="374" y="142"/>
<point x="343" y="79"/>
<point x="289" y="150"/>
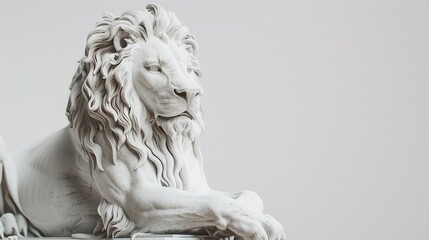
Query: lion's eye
<point x="194" y="70"/>
<point x="153" y="68"/>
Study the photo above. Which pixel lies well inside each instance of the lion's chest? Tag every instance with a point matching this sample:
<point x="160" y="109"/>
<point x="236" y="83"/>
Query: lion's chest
<point x="191" y="172"/>
<point x="196" y="179"/>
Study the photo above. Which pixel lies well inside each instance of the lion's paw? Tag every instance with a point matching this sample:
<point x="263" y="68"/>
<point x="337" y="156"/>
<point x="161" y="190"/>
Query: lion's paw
<point x="272" y="227"/>
<point x="13" y="226"/>
<point x="259" y="227"/>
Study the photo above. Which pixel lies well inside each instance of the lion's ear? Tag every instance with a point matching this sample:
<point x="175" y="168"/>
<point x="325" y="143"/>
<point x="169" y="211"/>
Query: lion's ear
<point x="119" y="41"/>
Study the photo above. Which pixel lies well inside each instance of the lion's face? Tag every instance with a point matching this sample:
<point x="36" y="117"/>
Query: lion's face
<point x="164" y="78"/>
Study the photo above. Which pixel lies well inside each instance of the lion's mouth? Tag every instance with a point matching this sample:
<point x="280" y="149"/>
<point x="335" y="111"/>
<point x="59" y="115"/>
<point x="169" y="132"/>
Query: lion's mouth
<point x="183" y="114"/>
<point x="186" y="114"/>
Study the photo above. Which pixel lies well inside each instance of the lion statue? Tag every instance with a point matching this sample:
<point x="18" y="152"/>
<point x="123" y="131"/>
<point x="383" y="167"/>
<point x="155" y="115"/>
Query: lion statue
<point x="130" y="161"/>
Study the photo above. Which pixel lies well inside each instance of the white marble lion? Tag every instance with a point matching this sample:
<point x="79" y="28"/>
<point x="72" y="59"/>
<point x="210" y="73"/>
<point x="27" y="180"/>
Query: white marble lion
<point x="130" y="160"/>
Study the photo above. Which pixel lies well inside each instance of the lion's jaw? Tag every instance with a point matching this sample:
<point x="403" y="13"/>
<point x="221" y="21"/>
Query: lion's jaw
<point x="180" y="127"/>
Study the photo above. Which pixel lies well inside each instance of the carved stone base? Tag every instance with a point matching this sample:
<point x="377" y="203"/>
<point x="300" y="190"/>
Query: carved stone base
<point x="148" y="237"/>
<point x="172" y="237"/>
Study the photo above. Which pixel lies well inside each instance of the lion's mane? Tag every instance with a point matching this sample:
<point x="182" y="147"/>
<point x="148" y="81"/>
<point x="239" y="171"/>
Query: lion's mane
<point x="103" y="101"/>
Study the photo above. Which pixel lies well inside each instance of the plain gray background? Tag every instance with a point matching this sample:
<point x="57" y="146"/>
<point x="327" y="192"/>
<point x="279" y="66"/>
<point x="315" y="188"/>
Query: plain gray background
<point x="319" y="106"/>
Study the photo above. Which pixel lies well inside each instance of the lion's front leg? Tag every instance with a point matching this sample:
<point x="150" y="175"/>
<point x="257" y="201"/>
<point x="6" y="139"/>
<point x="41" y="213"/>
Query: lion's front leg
<point x="148" y="207"/>
<point x="151" y="208"/>
<point x="172" y="210"/>
<point x="155" y="209"/>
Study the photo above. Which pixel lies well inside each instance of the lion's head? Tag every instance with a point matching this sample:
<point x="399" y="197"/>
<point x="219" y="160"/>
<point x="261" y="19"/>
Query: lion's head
<point x="138" y="87"/>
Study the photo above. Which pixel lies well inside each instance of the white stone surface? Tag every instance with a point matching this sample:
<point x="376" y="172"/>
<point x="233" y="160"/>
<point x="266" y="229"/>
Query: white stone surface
<point x="153" y="237"/>
<point x="130" y="160"/>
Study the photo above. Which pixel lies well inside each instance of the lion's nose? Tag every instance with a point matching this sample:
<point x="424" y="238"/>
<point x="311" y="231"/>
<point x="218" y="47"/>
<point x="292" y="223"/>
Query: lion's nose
<point x="187" y="94"/>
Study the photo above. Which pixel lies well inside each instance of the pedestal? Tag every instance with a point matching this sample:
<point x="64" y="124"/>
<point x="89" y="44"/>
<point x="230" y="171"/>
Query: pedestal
<point x="146" y="237"/>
